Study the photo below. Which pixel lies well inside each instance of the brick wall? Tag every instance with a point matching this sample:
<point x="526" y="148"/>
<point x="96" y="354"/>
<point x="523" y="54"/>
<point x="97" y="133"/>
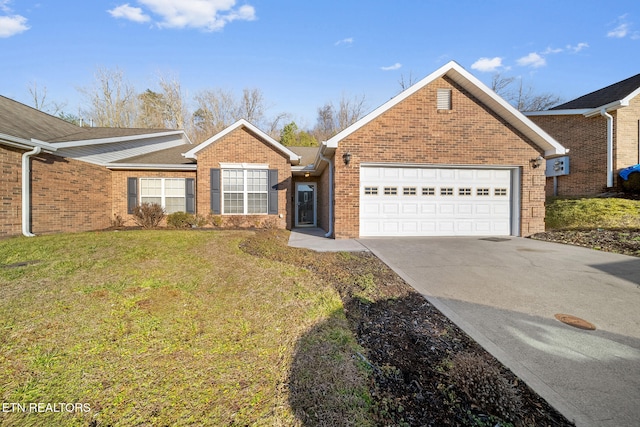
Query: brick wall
<point x="68" y="195"/>
<point x="586" y="139"/>
<point x="10" y="191"/>
<point x="242" y="146"/>
<point x="413" y="131"/>
<point x="119" y="188"/>
<point x="626" y="135"/>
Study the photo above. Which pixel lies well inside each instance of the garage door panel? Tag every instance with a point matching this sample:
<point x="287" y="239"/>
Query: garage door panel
<point x="434" y="201"/>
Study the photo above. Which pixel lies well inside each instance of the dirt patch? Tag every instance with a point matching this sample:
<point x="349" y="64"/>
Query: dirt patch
<point x="424" y="370"/>
<point x="625" y="242"/>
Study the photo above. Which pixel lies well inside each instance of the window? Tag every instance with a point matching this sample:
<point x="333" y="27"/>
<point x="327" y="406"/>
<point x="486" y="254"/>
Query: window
<point x="500" y="192"/>
<point x="482" y="192"/>
<point x="370" y="191"/>
<point x="446" y="191"/>
<point x="390" y="191"/>
<point x="245" y="191"/>
<point x="409" y="191"/>
<point x="443" y="99"/>
<point x="464" y="191"/>
<point x="428" y="191"/>
<point x="170" y="193"/>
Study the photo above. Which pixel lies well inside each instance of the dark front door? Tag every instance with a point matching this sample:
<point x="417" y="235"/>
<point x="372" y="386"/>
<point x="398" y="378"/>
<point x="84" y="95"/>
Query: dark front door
<point x="305" y="205"/>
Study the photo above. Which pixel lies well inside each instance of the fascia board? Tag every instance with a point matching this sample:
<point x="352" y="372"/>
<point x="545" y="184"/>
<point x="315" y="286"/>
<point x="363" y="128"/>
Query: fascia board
<point x="98" y="141"/>
<point x="576" y="112"/>
<point x="25" y="144"/>
<point x="138" y="166"/>
<point x="607" y="107"/>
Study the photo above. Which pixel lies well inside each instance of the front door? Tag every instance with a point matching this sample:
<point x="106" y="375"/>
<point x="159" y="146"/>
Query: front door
<point x="305" y="204"/>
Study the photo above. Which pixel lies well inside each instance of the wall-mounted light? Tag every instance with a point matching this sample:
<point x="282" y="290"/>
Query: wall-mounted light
<point x="537" y="162"/>
<point x="306" y="174"/>
<point x="346" y="157"/>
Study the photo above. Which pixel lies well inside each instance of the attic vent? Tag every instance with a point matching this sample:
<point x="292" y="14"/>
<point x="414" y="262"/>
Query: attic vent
<point x="443" y="101"/>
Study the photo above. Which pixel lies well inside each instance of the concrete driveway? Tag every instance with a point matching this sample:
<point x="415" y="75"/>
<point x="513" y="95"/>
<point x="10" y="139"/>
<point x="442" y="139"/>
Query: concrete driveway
<point x="504" y="292"/>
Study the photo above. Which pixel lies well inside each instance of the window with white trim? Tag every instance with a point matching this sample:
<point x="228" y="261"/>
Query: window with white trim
<point x="428" y="191"/>
<point x="245" y="191"/>
<point x="409" y="191"/>
<point x="446" y="191"/>
<point x="170" y="193"/>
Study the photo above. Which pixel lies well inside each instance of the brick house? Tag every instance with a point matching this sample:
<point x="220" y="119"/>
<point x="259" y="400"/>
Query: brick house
<point x="54" y="176"/>
<point x="601" y="130"/>
<point x="445" y="157"/>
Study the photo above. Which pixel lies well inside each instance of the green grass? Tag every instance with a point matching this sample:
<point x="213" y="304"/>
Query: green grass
<point x="608" y="213"/>
<point x="170" y="328"/>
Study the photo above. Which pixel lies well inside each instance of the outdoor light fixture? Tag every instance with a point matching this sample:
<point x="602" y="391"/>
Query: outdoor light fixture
<point x="306" y="174"/>
<point x="535" y="163"/>
<point x="346" y="157"/>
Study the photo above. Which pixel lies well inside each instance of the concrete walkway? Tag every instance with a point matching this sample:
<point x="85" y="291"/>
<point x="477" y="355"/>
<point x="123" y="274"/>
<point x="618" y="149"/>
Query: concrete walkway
<point x="313" y="238"/>
<point x="505" y="293"/>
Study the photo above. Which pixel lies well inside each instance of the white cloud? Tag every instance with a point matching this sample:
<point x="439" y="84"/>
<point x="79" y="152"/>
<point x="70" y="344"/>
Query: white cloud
<point x="348" y="40"/>
<point x="395" y="66"/>
<point x="131" y="13"/>
<point x="208" y="15"/>
<point x="619" y="32"/>
<point x="623" y="29"/>
<point x="12" y="25"/>
<point x="532" y="60"/>
<point x="487" y="65"/>
<point x="549" y="50"/>
<point x="577" y="48"/>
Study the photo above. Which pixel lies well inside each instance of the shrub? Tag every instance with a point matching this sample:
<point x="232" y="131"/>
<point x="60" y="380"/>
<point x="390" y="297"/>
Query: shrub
<point x="180" y="220"/>
<point x="215" y="220"/>
<point x="148" y="215"/>
<point x="484" y="386"/>
<point x="117" y="221"/>
<point x="632" y="184"/>
<point x="592" y="213"/>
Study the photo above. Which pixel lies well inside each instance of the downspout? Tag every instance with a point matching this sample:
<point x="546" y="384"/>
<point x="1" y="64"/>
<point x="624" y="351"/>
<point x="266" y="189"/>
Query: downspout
<point x="609" y="118"/>
<point x="26" y="191"/>
<point x="322" y="157"/>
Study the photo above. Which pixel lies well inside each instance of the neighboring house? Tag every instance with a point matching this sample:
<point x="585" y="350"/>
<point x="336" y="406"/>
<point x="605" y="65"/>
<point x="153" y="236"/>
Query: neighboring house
<point x="53" y="173"/>
<point x="445" y="157"/>
<point x="602" y="132"/>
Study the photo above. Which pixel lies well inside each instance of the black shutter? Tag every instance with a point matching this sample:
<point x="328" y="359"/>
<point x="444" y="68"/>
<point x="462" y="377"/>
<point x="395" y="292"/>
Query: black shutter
<point x="273" y="191"/>
<point x="132" y="194"/>
<point x="190" y="194"/>
<point x="215" y="191"/>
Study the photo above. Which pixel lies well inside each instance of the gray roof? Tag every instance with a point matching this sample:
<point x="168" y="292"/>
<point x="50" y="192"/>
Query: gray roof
<point x="168" y="156"/>
<point x="604" y="96"/>
<point x="307" y="154"/>
<point x="21" y="121"/>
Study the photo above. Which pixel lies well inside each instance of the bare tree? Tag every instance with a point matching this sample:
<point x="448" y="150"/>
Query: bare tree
<point x="40" y="102"/>
<point x="151" y="110"/>
<point x="174" y="108"/>
<point x="521" y="97"/>
<point x="111" y="101"/>
<point x="332" y="120"/>
<point x="251" y="106"/>
<point x="408" y="82"/>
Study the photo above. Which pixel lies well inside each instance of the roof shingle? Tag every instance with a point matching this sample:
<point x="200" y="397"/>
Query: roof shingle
<point x="604" y="96"/>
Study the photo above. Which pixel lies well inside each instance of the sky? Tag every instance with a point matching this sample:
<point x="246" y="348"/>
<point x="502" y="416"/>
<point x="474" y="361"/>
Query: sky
<point x="303" y="54"/>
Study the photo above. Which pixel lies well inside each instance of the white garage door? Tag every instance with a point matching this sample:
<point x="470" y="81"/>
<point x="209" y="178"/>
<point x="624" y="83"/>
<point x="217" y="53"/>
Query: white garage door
<point x="399" y="201"/>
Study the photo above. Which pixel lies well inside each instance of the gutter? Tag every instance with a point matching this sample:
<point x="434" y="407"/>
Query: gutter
<point x="26" y="191"/>
<point x="609" y="117"/>
<point x="322" y="157"/>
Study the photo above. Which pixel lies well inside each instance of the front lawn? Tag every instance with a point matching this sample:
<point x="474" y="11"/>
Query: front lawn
<point x="167" y="328"/>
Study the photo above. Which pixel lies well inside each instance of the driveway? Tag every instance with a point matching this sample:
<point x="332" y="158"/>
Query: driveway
<point x="504" y="292"/>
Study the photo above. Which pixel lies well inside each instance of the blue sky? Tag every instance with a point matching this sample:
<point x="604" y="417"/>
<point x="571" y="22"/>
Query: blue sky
<point x="303" y="54"/>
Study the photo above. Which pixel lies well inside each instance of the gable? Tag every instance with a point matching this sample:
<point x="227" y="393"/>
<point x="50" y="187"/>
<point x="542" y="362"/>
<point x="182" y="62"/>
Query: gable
<point x="251" y="133"/>
<point x="481" y="92"/>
